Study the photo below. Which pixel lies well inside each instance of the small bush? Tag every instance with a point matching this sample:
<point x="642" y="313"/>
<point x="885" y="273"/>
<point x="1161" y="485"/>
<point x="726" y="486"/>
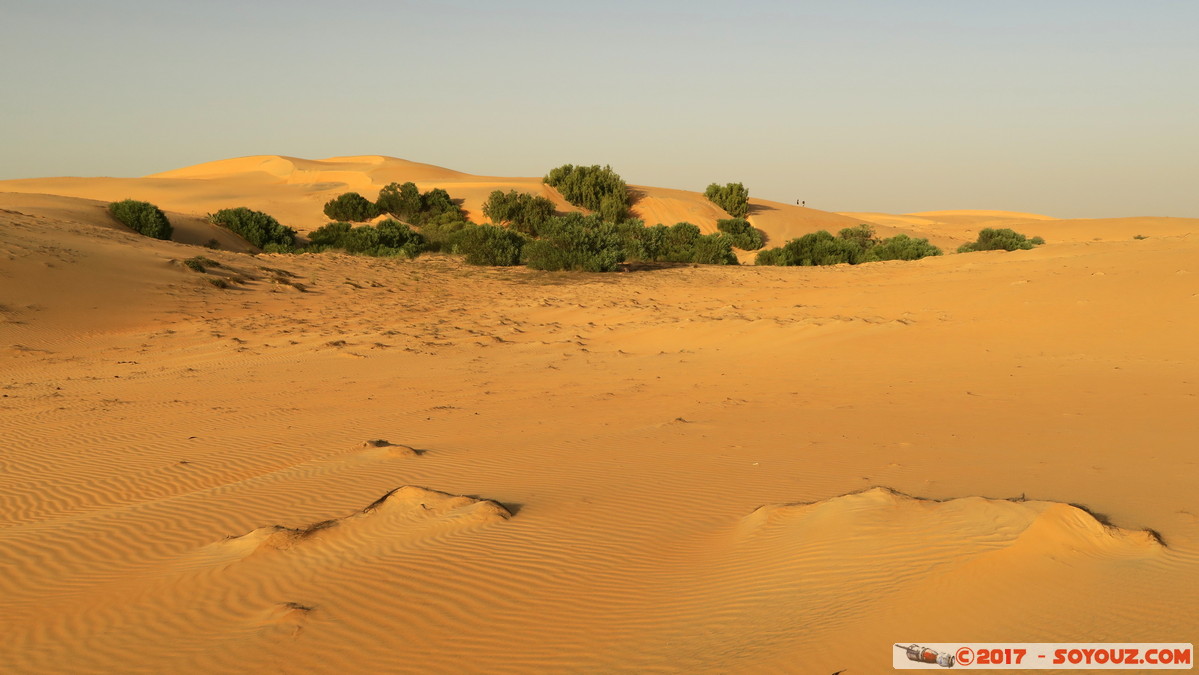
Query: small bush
<point x="388" y="238"/>
<point x="142" y="217"/>
<point x="852" y="245"/>
<point x="714" y="249"/>
<point x="401" y="201"/>
<point x="490" y="245"/>
<point x="521" y="211"/>
<point x="351" y="206"/>
<point x="596" y="188"/>
<point x="733" y="198"/>
<point x="200" y="263"/>
<point x="902" y="247"/>
<point x="212" y="244"/>
<point x="576" y="242"/>
<point x="862" y="235"/>
<point x="742" y="235"/>
<point x="218" y="282"/>
<point x="255" y="227"/>
<point x="443" y="232"/>
<point x="1003" y="239"/>
<point x="817" y="248"/>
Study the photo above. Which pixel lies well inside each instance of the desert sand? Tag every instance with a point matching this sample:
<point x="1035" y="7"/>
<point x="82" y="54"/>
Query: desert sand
<point x="346" y="464"/>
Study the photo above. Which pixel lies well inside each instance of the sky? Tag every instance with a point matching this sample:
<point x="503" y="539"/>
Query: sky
<point x="1071" y="108"/>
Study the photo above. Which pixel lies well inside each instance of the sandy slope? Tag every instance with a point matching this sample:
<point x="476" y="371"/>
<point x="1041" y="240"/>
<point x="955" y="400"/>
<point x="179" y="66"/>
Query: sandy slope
<point x="665" y="471"/>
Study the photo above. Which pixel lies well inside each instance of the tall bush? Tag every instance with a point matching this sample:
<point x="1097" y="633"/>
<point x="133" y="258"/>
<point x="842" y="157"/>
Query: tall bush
<point x="732" y="197"/>
<point x="599" y="189"/>
<point x="401" y="201"/>
<point x="521" y="211"/>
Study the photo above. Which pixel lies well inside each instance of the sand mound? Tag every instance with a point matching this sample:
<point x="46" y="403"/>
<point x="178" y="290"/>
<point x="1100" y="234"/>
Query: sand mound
<point x="1038" y="527"/>
<point x="381" y="448"/>
<point x="403" y="508"/>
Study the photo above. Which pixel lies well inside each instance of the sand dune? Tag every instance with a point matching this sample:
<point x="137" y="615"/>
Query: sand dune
<point x="656" y="472"/>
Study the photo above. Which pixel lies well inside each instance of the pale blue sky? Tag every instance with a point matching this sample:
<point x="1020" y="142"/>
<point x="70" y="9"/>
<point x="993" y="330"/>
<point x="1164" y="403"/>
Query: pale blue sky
<point x="1076" y="108"/>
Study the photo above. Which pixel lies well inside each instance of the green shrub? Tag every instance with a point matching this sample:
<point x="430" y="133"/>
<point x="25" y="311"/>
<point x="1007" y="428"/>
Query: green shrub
<point x="862" y="235"/>
<point x="401" y="201"/>
<point x="902" y="247"/>
<point x="142" y="217"/>
<point x="714" y="249"/>
<point x="742" y="235"/>
<point x="733" y="198"/>
<point x="436" y="202"/>
<point x="576" y="242"/>
<point x="595" y="188"/>
<point x="351" y="206"/>
<point x="852" y="245"/>
<point x="521" y="211"/>
<point x="490" y="245"/>
<point x="388" y="238"/>
<point x="442" y="233"/>
<point x="255" y="227"/>
<point x="817" y="248"/>
<point x="1003" y="239"/>
<point x="770" y="256"/>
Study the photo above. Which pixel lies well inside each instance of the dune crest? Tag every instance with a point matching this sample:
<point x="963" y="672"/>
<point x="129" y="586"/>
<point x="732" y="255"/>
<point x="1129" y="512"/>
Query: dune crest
<point x="401" y="504"/>
<point x="1036" y="526"/>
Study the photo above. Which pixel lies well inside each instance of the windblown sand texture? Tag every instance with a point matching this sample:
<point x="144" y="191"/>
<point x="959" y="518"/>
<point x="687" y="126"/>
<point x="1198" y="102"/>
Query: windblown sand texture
<point x="345" y="465"/>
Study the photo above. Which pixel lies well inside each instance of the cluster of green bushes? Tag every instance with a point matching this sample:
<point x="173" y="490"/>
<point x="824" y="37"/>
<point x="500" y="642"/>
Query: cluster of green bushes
<point x="588" y="243"/>
<point x="520" y="211"/>
<point x="402" y="201"/>
<point x="733" y="198"/>
<point x="1003" y="239"/>
<point x="142" y="217"/>
<point x="256" y="227"/>
<point x="679" y="243"/>
<point x="598" y="189"/>
<point x="852" y="245"/>
<point x="743" y="235"/>
<point x="388" y="238"/>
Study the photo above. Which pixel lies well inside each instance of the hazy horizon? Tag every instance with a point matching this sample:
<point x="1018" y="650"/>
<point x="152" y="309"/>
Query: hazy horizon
<point x="1074" y="109"/>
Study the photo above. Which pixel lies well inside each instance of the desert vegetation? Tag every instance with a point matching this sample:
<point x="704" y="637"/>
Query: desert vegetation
<point x="598" y="189"/>
<point x="490" y="245"/>
<point x="732" y="197"/>
<point x="388" y="238"/>
<point x="1002" y="239"/>
<point x="351" y="206"/>
<point x="256" y="227"/>
<point x="852" y="245"/>
<point x="520" y="211"/>
<point x="141" y="217"/>
<point x="407" y="203"/>
<point x="743" y="235"/>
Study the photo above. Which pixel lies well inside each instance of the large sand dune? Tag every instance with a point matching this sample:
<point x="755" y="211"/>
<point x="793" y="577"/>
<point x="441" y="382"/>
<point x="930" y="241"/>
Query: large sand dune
<point x="714" y="469"/>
